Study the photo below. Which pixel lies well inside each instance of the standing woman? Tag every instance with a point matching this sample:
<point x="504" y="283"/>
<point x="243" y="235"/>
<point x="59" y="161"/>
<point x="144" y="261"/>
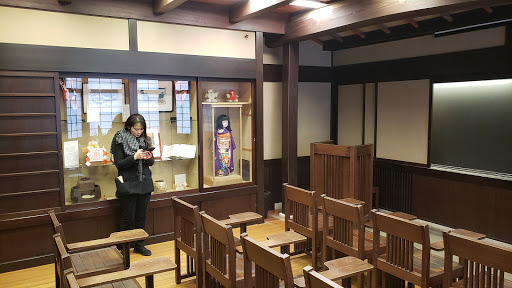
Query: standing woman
<point x="133" y="184"/>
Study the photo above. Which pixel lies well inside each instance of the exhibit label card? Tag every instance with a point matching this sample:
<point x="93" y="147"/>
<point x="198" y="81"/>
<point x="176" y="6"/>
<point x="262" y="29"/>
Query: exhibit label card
<point x="71" y="154"/>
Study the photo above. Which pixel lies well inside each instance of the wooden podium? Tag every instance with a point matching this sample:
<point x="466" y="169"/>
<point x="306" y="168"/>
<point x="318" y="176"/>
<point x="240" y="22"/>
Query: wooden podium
<point x="342" y="172"/>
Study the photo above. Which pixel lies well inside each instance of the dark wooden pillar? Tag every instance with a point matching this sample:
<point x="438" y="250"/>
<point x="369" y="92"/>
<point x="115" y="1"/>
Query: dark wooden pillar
<point x="258" y="137"/>
<point x="290" y="111"/>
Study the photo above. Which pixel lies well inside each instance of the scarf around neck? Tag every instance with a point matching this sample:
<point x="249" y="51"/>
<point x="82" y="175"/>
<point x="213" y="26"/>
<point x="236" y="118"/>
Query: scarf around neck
<point x="130" y="146"/>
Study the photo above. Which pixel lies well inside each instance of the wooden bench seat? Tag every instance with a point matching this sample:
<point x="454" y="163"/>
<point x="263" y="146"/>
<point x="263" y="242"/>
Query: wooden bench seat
<point x="96" y="256"/>
<point x="124" y="278"/>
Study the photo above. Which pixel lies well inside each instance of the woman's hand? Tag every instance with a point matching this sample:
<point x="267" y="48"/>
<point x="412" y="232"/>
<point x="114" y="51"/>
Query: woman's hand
<point x="141" y="154"/>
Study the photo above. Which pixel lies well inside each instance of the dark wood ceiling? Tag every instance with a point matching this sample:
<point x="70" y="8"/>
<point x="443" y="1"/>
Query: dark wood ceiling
<point x="340" y="24"/>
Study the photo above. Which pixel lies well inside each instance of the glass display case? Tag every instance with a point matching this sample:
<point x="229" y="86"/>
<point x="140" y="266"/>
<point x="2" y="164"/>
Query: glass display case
<point x="170" y="110"/>
<point x="91" y="113"/>
<point x="94" y="109"/>
<point x="227" y="132"/>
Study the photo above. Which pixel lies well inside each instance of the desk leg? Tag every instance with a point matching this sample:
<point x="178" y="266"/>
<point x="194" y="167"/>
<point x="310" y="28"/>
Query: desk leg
<point x="243" y="228"/>
<point x="150" y="283"/>
<point x="126" y="255"/>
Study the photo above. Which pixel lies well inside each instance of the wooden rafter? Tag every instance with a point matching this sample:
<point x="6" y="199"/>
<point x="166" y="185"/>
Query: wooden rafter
<point x="319" y="42"/>
<point x="253" y="8"/>
<point x="163" y="6"/>
<point x="359" y="33"/>
<point x="356" y="14"/>
<point x="413" y="23"/>
<point x="447" y="17"/>
<point x="337" y="38"/>
<point x="384" y="28"/>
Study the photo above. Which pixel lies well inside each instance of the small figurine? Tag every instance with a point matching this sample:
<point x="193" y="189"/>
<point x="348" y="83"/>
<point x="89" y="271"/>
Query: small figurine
<point x="211" y="96"/>
<point x="232" y="97"/>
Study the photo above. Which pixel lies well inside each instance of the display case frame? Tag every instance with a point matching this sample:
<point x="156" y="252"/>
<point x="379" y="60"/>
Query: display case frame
<point x="242" y="110"/>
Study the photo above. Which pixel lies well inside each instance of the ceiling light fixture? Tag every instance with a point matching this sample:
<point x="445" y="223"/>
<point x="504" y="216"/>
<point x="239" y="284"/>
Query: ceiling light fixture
<point x="308" y="3"/>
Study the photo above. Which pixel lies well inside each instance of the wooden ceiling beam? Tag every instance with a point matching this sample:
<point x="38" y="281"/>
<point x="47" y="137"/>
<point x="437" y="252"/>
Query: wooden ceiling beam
<point x="163" y="6"/>
<point x="356" y="14"/>
<point x="253" y="8"/>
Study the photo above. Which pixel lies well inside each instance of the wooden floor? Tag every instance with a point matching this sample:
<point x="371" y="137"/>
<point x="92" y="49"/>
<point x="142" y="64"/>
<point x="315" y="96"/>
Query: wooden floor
<point x="43" y="276"/>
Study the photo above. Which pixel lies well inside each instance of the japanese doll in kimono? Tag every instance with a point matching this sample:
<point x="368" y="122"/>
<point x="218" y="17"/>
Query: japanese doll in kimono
<point x="224" y="146"/>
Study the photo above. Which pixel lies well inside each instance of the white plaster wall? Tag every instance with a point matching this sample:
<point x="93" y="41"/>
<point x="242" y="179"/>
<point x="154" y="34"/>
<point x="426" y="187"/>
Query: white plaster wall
<point x="272" y="120"/>
<point x="35" y="27"/>
<point x="402" y="120"/>
<point x="193" y="40"/>
<point x="421" y="46"/>
<point x="314" y="119"/>
<point x="311" y="54"/>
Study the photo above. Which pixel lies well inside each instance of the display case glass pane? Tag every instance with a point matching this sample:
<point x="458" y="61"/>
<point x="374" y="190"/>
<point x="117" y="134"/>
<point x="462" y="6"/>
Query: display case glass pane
<point x="91" y="113"/>
<point x="227" y="132"/>
<point x="170" y="110"/>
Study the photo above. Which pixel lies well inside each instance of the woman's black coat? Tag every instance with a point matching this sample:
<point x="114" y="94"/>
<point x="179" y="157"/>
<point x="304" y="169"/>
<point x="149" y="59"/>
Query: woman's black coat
<point x="127" y="167"/>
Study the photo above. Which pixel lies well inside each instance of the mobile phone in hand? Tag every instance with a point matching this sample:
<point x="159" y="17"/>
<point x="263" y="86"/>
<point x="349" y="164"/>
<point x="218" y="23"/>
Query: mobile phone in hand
<point x="150" y="148"/>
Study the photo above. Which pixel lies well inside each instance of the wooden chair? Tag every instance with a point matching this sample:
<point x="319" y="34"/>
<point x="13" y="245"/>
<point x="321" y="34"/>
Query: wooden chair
<point x="316" y="280"/>
<point x="221" y="264"/>
<point x="401" y="258"/>
<point x="98" y="256"/>
<point x="301" y="216"/>
<point x="123" y="278"/>
<point x="270" y="267"/>
<point x="484" y="264"/>
<point x="188" y="228"/>
<point x="348" y="234"/>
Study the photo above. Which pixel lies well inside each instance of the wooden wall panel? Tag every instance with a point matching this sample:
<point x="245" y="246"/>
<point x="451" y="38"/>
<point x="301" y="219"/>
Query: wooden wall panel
<point x="396" y="187"/>
<point x="27" y="104"/>
<point x="28" y="124"/>
<point x="163" y="220"/>
<point x="462" y="203"/>
<point x="29" y="201"/>
<point x="26" y="84"/>
<point x="222" y="208"/>
<point x="31" y="175"/>
<point x="24" y="237"/>
<point x="26" y="144"/>
<point x="29" y="163"/>
<point x="29" y="182"/>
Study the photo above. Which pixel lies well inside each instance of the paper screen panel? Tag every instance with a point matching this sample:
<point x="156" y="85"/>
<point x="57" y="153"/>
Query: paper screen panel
<point x="402" y="120"/>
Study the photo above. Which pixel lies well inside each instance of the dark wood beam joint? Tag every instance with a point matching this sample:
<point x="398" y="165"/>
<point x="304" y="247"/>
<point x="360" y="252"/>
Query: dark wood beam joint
<point x="253" y="8"/>
<point x="162" y="6"/>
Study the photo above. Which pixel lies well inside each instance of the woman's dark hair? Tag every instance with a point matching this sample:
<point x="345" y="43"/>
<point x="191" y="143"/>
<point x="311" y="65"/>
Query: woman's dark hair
<point x="218" y="123"/>
<point x="134" y="119"/>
